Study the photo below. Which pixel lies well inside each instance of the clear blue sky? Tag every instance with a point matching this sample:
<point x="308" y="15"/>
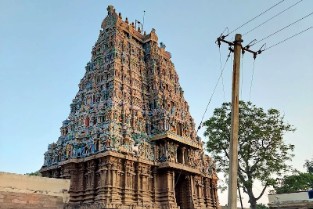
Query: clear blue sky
<point x="45" y="45"/>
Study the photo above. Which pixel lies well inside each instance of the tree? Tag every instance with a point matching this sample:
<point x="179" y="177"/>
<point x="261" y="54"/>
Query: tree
<point x="36" y="173"/>
<point x="309" y="166"/>
<point x="298" y="181"/>
<point x="295" y="183"/>
<point x="262" y="153"/>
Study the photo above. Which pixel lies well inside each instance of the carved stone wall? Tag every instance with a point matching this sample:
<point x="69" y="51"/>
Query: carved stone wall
<point x="130" y="141"/>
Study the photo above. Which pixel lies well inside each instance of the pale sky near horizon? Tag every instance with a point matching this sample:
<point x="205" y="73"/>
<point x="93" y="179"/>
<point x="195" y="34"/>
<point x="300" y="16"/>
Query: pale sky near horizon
<point x="45" y="45"/>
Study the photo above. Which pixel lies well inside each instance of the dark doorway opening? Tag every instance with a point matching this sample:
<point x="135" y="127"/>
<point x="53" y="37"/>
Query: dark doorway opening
<point x="179" y="155"/>
<point x="181" y="190"/>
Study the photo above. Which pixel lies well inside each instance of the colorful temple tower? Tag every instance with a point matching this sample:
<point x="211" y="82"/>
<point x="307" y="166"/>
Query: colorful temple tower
<point x="130" y="141"/>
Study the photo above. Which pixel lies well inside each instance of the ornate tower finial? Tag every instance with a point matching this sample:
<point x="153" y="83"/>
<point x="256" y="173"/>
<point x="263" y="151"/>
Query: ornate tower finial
<point x="110" y="9"/>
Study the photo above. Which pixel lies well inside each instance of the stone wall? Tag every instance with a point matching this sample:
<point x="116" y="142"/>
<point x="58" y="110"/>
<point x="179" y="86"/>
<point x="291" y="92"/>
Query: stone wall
<point x="295" y="196"/>
<point x="32" y="192"/>
<point x="296" y="200"/>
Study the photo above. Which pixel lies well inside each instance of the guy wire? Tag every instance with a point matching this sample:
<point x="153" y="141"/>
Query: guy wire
<point x="252" y="80"/>
<point x="221" y="70"/>
<point x="206" y="109"/>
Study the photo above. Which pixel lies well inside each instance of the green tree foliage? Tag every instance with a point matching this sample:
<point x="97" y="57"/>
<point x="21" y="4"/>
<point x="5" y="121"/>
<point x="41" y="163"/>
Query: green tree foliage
<point x="309" y="166"/>
<point x="262" y="153"/>
<point x="298" y="181"/>
<point x="261" y="206"/>
<point x="36" y="173"/>
<point x="295" y="183"/>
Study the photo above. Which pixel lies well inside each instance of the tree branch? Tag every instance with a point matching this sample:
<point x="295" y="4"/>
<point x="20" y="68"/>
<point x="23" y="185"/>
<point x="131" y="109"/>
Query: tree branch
<point x="262" y="192"/>
<point x="254" y="167"/>
<point x="240" y="169"/>
<point x="226" y="153"/>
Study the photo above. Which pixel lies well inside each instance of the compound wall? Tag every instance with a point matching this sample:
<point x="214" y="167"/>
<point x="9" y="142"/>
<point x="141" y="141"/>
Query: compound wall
<point x="32" y="192"/>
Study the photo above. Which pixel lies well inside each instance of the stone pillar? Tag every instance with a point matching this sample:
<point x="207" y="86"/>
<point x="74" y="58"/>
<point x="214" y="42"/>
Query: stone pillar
<point x="154" y="186"/>
<point x="102" y="186"/>
<point x="193" y="186"/>
<point x="200" y="193"/>
<point x="108" y="184"/>
<point x="145" y="181"/>
<point x="167" y="194"/>
<point x="80" y="183"/>
<point x="207" y="193"/>
<point x="115" y="193"/>
<point x="214" y="189"/>
<point x="73" y="184"/>
<point x="138" y="184"/>
<point x="189" y="192"/>
<point x="213" y="194"/>
<point x="90" y="182"/>
<point x="127" y="191"/>
<point x="145" y="184"/>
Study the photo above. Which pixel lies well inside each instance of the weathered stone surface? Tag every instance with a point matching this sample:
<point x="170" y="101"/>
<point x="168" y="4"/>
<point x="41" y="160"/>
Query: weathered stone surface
<point x="32" y="192"/>
<point x="13" y="200"/>
<point x="295" y="200"/>
<point x="130" y="141"/>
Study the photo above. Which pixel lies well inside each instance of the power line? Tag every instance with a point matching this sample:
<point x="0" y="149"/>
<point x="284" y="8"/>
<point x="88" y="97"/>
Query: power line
<point x="272" y="17"/>
<point x="252" y="80"/>
<point x="218" y="80"/>
<point x="287" y="26"/>
<point x="290" y="37"/>
<point x="256" y="17"/>
<point x="221" y="67"/>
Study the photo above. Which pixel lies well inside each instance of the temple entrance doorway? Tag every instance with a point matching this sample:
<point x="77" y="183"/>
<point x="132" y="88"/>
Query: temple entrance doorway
<point x="182" y="191"/>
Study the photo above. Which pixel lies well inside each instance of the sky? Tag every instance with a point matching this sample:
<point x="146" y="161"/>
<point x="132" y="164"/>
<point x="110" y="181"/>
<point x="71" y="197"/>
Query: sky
<point x="45" y="45"/>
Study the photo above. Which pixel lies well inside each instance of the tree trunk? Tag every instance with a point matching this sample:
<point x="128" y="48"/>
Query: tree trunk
<point x="252" y="203"/>
<point x="238" y="186"/>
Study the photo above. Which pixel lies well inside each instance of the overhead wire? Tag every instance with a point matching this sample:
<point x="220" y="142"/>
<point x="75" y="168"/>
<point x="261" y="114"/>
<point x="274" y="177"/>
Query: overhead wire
<point x="256" y="17"/>
<point x="221" y="66"/>
<point x="251" y="82"/>
<point x="218" y="80"/>
<point x="287" y="26"/>
<point x="286" y="39"/>
<point x="271" y="18"/>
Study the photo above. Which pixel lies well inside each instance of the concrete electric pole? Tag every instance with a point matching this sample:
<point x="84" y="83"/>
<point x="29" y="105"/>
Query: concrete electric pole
<point x="233" y="150"/>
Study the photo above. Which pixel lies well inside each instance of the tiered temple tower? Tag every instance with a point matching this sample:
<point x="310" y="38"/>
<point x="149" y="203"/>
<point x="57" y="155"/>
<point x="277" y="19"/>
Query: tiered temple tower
<point x="129" y="141"/>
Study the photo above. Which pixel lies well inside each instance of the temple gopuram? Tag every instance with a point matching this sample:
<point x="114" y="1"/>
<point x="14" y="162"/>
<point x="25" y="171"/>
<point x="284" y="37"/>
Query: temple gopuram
<point x="129" y="141"/>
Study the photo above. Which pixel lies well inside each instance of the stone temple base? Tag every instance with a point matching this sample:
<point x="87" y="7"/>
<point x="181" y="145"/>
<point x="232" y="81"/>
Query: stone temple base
<point x="115" y="180"/>
<point x="103" y="206"/>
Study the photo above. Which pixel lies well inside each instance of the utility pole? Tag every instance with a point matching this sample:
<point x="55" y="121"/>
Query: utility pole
<point x="233" y="150"/>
